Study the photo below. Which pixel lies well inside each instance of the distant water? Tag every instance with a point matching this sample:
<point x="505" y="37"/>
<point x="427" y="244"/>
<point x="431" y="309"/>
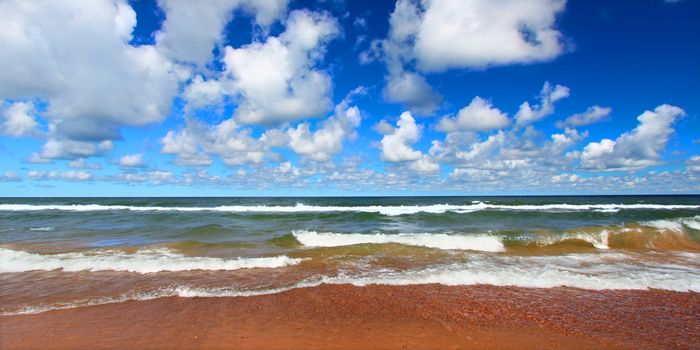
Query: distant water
<point x="66" y="252"/>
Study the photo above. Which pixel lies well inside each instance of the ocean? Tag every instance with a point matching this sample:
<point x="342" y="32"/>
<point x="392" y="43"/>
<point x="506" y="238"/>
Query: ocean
<point x="60" y="253"/>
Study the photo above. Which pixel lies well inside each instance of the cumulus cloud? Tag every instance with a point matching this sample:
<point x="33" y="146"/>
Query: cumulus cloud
<point x="528" y="114"/>
<point x="481" y="33"/>
<point x="403" y="86"/>
<point x="192" y="28"/>
<point x="276" y="81"/>
<point x="69" y="149"/>
<point x="17" y="120"/>
<point x="82" y="64"/>
<point x="155" y="177"/>
<point x="694" y="164"/>
<point x="592" y="115"/>
<point x="396" y="147"/>
<point x="425" y="165"/>
<point x="233" y="143"/>
<point x="564" y="178"/>
<point x="479" y="115"/>
<point x="70" y="175"/>
<point x="81" y="163"/>
<point x="75" y="58"/>
<point x="438" y="35"/>
<point x="383" y="127"/>
<point x="636" y="149"/>
<point x="412" y="89"/>
<point x="200" y="93"/>
<point x="327" y="141"/>
<point x="131" y="161"/>
<point x="10" y="176"/>
<point x="519" y="151"/>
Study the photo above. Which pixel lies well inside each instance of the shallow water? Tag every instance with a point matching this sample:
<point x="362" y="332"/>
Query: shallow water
<point x="67" y="252"/>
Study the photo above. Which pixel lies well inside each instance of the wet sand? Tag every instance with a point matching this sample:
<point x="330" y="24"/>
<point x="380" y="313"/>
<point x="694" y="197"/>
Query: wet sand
<point x="375" y="317"/>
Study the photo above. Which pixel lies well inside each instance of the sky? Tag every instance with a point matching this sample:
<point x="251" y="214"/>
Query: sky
<point x="340" y="97"/>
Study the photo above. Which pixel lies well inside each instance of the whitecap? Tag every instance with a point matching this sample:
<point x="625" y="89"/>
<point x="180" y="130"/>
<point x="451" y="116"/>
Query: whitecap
<point x="482" y="242"/>
<point x="142" y="261"/>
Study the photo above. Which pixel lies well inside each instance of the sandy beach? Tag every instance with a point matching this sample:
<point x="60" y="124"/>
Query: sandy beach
<point x="374" y="317"/>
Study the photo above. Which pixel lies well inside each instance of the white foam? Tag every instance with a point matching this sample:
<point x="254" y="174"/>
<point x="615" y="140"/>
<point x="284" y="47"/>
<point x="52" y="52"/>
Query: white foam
<point x="614" y="271"/>
<point x="384" y="210"/>
<point x="675" y="224"/>
<point x="615" y="278"/>
<point x="178" y="291"/>
<point x="484" y="243"/>
<point x="44" y="228"/>
<point x="693" y="222"/>
<point x="665" y="225"/>
<point x="142" y="261"/>
<point x="599" y="240"/>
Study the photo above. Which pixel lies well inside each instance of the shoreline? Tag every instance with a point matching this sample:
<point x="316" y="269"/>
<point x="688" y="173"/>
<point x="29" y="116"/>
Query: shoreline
<point x="377" y="317"/>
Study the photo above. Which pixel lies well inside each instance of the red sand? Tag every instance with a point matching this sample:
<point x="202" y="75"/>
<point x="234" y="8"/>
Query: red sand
<point x="375" y="317"/>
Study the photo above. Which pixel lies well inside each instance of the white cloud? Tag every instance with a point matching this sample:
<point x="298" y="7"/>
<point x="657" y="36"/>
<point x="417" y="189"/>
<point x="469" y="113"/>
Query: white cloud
<point x="563" y="178"/>
<point x="156" y="177"/>
<point x="483" y="152"/>
<point x="694" y="164"/>
<point x="425" y="165"/>
<point x="69" y="149"/>
<point x="403" y="86"/>
<point x="413" y="90"/>
<point x="482" y="33"/>
<point x="131" y="161"/>
<point x="396" y="147"/>
<point x="75" y="58"/>
<point x="192" y="28"/>
<point x="504" y="158"/>
<point x="70" y="175"/>
<point x="232" y="143"/>
<point x="327" y="141"/>
<point x="528" y="114"/>
<point x="437" y="35"/>
<point x="479" y="115"/>
<point x="383" y="127"/>
<point x="185" y="145"/>
<point x="592" y="115"/>
<point x="635" y="149"/>
<point x="275" y="80"/>
<point x="10" y="176"/>
<point x="57" y="52"/>
<point x="17" y="120"/>
<point x="200" y="93"/>
<point x="81" y="163"/>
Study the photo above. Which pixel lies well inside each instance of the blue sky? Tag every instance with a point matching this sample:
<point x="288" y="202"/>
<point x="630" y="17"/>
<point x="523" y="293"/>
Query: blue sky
<point x="252" y="97"/>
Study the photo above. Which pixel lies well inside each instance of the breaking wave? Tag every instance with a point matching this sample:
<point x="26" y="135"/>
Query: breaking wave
<point x="384" y="210"/>
<point x="672" y="234"/>
<point x="143" y="261"/>
<point x="484" y="243"/>
<point x="585" y="271"/>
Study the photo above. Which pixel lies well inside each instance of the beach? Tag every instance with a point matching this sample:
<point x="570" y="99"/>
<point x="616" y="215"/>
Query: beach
<point x="347" y="273"/>
<point x="375" y="317"/>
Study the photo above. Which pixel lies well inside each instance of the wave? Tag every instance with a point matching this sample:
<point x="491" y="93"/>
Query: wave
<point x="609" y="271"/>
<point x="142" y="261"/>
<point x="542" y="272"/>
<point x="671" y="234"/>
<point x="431" y="240"/>
<point x="384" y="210"/>
<point x="675" y="224"/>
<point x="43" y="228"/>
